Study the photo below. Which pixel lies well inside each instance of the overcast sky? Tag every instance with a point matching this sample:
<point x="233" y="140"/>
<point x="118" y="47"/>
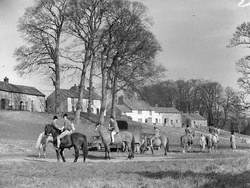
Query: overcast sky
<point x="193" y="35"/>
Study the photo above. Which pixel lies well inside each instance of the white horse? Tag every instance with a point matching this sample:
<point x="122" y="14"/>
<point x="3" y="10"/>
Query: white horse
<point x="42" y="142"/>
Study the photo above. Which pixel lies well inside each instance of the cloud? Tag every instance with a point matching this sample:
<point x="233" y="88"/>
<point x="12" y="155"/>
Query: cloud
<point x="244" y="3"/>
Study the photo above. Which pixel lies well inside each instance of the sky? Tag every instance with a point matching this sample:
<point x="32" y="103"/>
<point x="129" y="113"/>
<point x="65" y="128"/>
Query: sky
<point x="193" y="35"/>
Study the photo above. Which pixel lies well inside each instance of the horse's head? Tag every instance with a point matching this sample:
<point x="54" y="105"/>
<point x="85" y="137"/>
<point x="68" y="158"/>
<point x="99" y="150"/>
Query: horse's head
<point x="48" y="129"/>
<point x="51" y="130"/>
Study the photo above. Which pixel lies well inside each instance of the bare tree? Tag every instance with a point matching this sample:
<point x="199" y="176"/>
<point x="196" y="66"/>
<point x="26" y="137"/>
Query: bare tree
<point x="241" y="38"/>
<point x="85" y="18"/>
<point x="133" y="47"/>
<point x="42" y="27"/>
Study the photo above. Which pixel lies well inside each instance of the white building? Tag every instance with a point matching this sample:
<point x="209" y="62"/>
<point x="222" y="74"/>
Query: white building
<point x="141" y="111"/>
<point x="68" y="100"/>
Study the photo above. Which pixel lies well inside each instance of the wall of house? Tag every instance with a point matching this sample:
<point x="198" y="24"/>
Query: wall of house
<point x="171" y="119"/>
<point x="16" y="101"/>
<point x="71" y="105"/>
<point x="198" y="123"/>
<point x="144" y="116"/>
<point x="152" y="117"/>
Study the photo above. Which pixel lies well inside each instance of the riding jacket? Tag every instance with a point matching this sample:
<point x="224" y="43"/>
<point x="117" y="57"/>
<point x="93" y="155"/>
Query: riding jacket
<point x="113" y="125"/>
<point x="68" y="125"/>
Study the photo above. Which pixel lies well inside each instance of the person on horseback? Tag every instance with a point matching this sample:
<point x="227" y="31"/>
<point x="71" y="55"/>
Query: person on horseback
<point x="188" y="132"/>
<point x="68" y="128"/>
<point x="54" y="122"/>
<point x="157" y="135"/>
<point x="113" y="128"/>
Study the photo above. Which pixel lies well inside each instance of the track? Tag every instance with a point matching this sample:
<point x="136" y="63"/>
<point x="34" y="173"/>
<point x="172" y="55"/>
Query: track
<point x="139" y="158"/>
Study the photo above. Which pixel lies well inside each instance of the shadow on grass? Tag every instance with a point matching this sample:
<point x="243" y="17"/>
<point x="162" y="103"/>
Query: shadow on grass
<point x="94" y="157"/>
<point x="227" y="180"/>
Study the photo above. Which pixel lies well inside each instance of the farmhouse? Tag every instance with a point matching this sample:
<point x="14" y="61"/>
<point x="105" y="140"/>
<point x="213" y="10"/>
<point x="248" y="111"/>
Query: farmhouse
<point x="167" y="116"/>
<point x="195" y="120"/>
<point x="18" y="97"/>
<point x="68" y="99"/>
<point x="141" y="111"/>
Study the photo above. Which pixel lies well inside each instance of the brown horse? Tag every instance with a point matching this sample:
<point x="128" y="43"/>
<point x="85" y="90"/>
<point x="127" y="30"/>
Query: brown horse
<point x="159" y="142"/>
<point x="76" y="140"/>
<point x="123" y="137"/>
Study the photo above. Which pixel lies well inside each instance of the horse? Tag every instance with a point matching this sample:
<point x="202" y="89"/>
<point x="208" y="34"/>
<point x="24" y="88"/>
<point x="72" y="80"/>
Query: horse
<point x="76" y="140"/>
<point x="212" y="141"/>
<point x="186" y="142"/>
<point x="123" y="137"/>
<point x="42" y="142"/>
<point x="160" y="142"/>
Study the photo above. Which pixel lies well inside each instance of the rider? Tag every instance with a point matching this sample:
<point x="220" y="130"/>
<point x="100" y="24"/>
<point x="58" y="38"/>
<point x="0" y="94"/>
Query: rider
<point x="54" y="122"/>
<point x="157" y="135"/>
<point x="68" y="128"/>
<point x="113" y="128"/>
<point x="188" y="131"/>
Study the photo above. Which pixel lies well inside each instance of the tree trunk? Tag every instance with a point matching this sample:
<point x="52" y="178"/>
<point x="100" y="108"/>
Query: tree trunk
<point x="104" y="96"/>
<point x="57" y="74"/>
<point x="80" y="95"/>
<point x="90" y="85"/>
<point x="114" y="96"/>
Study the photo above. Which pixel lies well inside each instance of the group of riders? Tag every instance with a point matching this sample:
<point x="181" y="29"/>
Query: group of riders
<point x="68" y="128"/>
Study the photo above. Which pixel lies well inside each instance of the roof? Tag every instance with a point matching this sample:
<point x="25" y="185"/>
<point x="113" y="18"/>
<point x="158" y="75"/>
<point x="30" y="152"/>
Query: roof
<point x="74" y="91"/>
<point x="20" y="89"/>
<point x="194" y="116"/>
<point x="123" y="108"/>
<point x="165" y="110"/>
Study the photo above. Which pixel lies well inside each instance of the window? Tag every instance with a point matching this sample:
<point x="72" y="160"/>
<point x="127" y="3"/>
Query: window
<point x="177" y="121"/>
<point x="156" y="120"/>
<point x="140" y="119"/>
<point x="146" y="120"/>
<point x="139" y="112"/>
<point x="172" y="122"/>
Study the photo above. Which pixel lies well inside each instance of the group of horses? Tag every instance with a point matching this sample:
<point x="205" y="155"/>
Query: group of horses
<point x="79" y="142"/>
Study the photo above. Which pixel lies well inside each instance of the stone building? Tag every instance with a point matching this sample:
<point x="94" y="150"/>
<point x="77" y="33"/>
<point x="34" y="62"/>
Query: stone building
<point x="18" y="97"/>
<point x="68" y="99"/>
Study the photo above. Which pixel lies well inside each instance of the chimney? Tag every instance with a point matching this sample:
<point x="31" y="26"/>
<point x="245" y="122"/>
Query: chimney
<point x="6" y="80"/>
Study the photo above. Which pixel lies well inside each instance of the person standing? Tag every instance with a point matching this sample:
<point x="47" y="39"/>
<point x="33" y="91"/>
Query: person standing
<point x="233" y="140"/>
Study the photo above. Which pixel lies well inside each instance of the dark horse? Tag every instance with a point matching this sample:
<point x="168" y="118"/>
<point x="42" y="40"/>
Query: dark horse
<point x="123" y="137"/>
<point x="76" y="140"/>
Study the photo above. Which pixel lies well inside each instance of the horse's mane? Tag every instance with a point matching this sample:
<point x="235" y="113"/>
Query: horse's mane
<point x="54" y="127"/>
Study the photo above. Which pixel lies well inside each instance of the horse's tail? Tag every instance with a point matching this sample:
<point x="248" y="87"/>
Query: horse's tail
<point x="39" y="139"/>
<point x="133" y="144"/>
<point x="85" y="148"/>
<point x="167" y="145"/>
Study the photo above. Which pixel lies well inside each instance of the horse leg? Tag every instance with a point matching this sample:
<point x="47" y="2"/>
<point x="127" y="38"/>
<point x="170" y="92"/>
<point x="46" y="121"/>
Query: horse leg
<point x="57" y="156"/>
<point x="76" y="153"/>
<point x="61" y="153"/>
<point x="152" y="149"/>
<point x="44" y="151"/>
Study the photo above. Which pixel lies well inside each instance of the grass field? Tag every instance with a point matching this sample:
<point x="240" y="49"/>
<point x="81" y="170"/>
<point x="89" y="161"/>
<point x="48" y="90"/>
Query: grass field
<point x="19" y="166"/>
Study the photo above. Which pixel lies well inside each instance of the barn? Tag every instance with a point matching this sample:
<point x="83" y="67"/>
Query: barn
<point x="19" y="97"/>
